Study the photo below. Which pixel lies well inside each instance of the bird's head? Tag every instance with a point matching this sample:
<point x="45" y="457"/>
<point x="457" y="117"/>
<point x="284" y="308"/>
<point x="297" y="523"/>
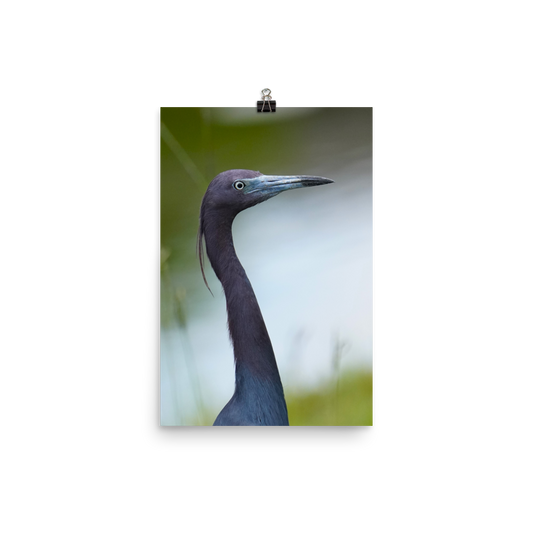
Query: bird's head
<point x="235" y="190"/>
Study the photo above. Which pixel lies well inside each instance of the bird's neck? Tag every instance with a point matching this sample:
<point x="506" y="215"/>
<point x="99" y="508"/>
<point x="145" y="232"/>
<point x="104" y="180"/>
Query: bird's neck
<point x="253" y="351"/>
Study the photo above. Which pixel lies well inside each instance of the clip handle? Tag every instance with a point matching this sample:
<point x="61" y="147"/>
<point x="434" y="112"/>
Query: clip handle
<point x="266" y="96"/>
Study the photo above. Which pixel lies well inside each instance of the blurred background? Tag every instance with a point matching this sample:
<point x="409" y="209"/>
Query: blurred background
<point x="307" y="252"/>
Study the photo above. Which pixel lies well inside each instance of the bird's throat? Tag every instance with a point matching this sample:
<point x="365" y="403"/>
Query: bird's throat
<point x="251" y="343"/>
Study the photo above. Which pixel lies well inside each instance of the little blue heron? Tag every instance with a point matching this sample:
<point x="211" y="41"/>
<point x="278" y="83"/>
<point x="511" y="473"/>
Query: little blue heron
<point x="258" y="399"/>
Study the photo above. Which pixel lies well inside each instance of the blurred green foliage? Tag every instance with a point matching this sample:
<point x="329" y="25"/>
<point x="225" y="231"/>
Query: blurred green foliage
<point x="346" y="401"/>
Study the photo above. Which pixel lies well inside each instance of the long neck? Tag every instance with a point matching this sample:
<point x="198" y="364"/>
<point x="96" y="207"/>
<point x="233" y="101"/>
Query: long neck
<point x="251" y="343"/>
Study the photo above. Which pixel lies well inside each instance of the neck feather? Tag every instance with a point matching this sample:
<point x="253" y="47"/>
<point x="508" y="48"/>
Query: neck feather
<point x="251" y="343"/>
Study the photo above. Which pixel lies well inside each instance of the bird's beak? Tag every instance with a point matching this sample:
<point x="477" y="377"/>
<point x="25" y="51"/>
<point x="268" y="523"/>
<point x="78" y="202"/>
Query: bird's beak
<point x="272" y="185"/>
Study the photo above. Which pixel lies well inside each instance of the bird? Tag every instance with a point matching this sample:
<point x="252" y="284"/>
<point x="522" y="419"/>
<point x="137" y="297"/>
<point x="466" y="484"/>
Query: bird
<point x="258" y="399"/>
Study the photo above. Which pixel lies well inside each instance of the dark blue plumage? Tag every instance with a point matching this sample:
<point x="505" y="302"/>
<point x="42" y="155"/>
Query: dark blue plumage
<point x="258" y="399"/>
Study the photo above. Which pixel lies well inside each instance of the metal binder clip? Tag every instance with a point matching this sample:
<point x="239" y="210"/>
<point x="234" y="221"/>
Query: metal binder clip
<point x="266" y="98"/>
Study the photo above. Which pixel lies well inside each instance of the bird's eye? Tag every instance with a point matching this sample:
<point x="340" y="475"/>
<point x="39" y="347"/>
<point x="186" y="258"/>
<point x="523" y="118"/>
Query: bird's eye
<point x="239" y="185"/>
